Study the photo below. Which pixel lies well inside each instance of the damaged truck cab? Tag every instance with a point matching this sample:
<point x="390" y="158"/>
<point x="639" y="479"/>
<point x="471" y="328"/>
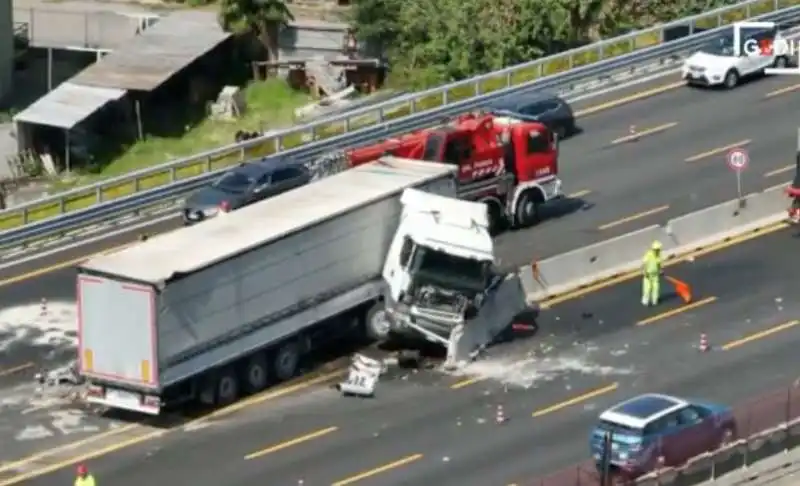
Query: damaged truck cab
<point x="441" y="280"/>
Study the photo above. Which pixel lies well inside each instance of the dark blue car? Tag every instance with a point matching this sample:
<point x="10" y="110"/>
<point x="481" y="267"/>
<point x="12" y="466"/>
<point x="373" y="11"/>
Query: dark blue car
<point x="552" y="111"/>
<point x="650" y="430"/>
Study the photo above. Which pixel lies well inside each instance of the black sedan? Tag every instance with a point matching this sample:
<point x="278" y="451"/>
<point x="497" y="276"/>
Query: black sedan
<point x="243" y="185"/>
<point x="551" y="110"/>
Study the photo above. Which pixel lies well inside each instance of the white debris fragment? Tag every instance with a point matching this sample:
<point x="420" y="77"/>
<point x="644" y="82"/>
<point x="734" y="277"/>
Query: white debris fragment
<point x="362" y="376"/>
<point x="33" y="432"/>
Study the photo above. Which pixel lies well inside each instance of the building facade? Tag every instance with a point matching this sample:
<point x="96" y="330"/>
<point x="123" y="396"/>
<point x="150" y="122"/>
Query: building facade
<point x="6" y="46"/>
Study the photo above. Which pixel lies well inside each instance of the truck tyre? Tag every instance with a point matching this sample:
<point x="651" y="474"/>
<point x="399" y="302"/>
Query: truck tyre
<point x="497" y="218"/>
<point x="256" y="376"/>
<point x="376" y="323"/>
<point x="286" y="360"/>
<point x="227" y="387"/>
<point x="527" y="211"/>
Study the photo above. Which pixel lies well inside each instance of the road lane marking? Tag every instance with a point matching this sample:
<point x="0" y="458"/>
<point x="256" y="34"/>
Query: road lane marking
<point x="623" y="277"/>
<point x="718" y="150"/>
<point x="465" y="382"/>
<point x="778" y="92"/>
<point x="779" y="171"/>
<point x="578" y="194"/>
<point x="15" y="369"/>
<point x="628" y="99"/>
<point x="291" y="442"/>
<point x="760" y="335"/>
<point x="674" y="312"/>
<point x="633" y="217"/>
<point x="298" y="385"/>
<point x="576" y="400"/>
<point x="378" y="470"/>
<point x="643" y="133"/>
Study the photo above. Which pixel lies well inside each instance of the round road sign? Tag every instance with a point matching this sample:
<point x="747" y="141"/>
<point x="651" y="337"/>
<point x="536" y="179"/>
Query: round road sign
<point x="737" y="159"/>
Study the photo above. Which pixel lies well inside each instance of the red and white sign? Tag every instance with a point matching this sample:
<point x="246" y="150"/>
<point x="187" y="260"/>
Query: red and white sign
<point x="737" y="159"/>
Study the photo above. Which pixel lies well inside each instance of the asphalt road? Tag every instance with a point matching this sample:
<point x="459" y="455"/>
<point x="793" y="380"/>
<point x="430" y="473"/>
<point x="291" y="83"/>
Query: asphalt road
<point x="588" y="354"/>
<point x="618" y="180"/>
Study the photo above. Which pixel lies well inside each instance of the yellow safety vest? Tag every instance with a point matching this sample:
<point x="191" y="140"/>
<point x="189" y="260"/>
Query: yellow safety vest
<point x="652" y="264"/>
<point x="88" y="480"/>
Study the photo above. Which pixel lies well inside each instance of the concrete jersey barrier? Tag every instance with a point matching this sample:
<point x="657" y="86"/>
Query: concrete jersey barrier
<point x="618" y="256"/>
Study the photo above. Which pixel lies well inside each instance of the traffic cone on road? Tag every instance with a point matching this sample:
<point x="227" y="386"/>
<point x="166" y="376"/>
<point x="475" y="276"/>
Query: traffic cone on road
<point x="632" y="133"/>
<point x="704" y="346"/>
<point x="500" y="416"/>
<point x="43" y="308"/>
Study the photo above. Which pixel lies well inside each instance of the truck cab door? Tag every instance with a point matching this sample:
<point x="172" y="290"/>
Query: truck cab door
<point x="395" y="268"/>
<point x="458" y="151"/>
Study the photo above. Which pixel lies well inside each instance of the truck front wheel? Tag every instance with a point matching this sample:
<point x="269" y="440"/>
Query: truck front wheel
<point x="376" y="323"/>
<point x="526" y="213"/>
<point x="286" y="360"/>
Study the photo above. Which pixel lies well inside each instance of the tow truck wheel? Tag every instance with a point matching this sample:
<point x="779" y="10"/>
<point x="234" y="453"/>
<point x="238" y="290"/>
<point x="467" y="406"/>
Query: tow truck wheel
<point x="286" y="360"/>
<point x="527" y="211"/>
<point x="256" y="377"/>
<point x="227" y="388"/>
<point x="731" y="79"/>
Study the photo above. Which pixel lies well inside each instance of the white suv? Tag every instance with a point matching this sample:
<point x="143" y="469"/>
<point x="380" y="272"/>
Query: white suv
<point x="717" y="65"/>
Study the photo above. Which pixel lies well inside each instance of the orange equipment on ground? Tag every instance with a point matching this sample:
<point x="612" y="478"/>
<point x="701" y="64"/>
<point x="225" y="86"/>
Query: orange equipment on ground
<point x="511" y="165"/>
<point x="682" y="288"/>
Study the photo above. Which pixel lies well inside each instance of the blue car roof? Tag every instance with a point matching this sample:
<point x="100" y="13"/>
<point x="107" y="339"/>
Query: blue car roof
<point x="646" y="406"/>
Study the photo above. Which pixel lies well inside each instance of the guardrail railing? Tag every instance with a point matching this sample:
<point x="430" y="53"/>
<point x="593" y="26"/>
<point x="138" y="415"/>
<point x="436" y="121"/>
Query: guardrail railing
<point x="345" y="130"/>
<point x="762" y="429"/>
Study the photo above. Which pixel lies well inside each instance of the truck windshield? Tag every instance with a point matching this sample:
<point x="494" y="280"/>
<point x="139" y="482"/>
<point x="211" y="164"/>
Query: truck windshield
<point x="445" y="269"/>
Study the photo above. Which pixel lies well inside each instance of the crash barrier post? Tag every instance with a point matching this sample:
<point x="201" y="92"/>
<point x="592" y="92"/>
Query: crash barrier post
<point x="764" y="426"/>
<point x="618" y="256"/>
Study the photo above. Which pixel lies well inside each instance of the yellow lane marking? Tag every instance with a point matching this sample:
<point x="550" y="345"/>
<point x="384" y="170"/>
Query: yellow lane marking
<point x="778" y="92"/>
<point x="268" y="395"/>
<point x="465" y="382"/>
<point x="378" y="470"/>
<point x="634" y="217"/>
<point x="643" y="133"/>
<point x="15" y="369"/>
<point x="718" y="150"/>
<point x="578" y="194"/>
<point x="674" y="312"/>
<point x="291" y="442"/>
<point x="547" y="303"/>
<point x="628" y="99"/>
<point x="779" y="171"/>
<point x="10" y="466"/>
<point x="576" y="400"/>
<point x="760" y="335"/>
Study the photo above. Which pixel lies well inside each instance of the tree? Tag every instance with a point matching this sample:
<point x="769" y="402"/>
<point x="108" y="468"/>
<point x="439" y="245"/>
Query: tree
<point x="264" y="18"/>
<point x="377" y="21"/>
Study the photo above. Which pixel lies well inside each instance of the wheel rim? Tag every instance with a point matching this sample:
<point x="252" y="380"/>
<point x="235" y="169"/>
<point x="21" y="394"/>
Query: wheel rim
<point x="379" y="323"/>
<point x="287" y="361"/>
<point x="256" y="376"/>
<point x="227" y="388"/>
<point x="730" y="80"/>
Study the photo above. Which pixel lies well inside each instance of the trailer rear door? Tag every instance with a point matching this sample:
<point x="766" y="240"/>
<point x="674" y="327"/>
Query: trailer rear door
<point x="117" y="332"/>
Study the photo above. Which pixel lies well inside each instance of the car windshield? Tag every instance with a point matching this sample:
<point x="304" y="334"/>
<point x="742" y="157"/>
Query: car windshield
<point x="721" y="46"/>
<point x="620" y="433"/>
<point x="233" y="182"/>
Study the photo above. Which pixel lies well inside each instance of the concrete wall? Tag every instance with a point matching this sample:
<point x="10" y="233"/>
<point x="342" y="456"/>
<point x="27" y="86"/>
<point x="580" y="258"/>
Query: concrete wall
<point x="6" y="46"/>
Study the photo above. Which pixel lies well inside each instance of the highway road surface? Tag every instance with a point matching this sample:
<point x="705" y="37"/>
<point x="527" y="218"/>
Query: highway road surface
<point x="589" y="353"/>
<point x="676" y="165"/>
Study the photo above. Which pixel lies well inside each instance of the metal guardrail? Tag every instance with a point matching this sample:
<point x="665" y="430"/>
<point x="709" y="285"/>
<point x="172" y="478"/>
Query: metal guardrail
<point x="762" y="425"/>
<point x="61" y="212"/>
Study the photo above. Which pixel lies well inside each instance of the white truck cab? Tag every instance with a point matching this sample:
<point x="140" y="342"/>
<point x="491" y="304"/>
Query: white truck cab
<point x="719" y="63"/>
<point x="440" y="274"/>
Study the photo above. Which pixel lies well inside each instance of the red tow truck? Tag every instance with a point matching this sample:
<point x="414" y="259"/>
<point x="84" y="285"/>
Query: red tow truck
<point x="511" y="165"/>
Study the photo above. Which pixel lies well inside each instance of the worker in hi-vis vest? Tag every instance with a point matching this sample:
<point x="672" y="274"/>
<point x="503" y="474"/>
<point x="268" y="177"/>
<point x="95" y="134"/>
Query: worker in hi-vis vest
<point x="651" y="272"/>
<point x="83" y="477"/>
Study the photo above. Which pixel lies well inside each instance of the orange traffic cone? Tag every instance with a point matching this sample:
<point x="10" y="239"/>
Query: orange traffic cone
<point x="500" y="416"/>
<point x="682" y="289"/>
<point x="704" y="346"/>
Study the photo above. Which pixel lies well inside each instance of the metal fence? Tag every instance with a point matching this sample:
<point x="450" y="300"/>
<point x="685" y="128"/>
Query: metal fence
<point x="391" y="118"/>
<point x="79" y="29"/>
<point x="763" y="428"/>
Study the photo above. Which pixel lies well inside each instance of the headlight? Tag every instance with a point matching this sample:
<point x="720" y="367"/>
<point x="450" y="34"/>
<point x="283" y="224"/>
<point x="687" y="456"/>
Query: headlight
<point x="697" y="69"/>
<point x="210" y="211"/>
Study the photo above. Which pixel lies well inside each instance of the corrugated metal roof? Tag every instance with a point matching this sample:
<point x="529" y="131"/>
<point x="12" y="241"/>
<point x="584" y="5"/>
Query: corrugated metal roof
<point x="154" y="56"/>
<point x="68" y="105"/>
<point x="191" y="249"/>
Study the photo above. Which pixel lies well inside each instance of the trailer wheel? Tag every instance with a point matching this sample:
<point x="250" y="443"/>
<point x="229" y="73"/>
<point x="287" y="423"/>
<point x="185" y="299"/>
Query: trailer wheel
<point x="256" y="375"/>
<point x="227" y="387"/>
<point x="286" y="360"/>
